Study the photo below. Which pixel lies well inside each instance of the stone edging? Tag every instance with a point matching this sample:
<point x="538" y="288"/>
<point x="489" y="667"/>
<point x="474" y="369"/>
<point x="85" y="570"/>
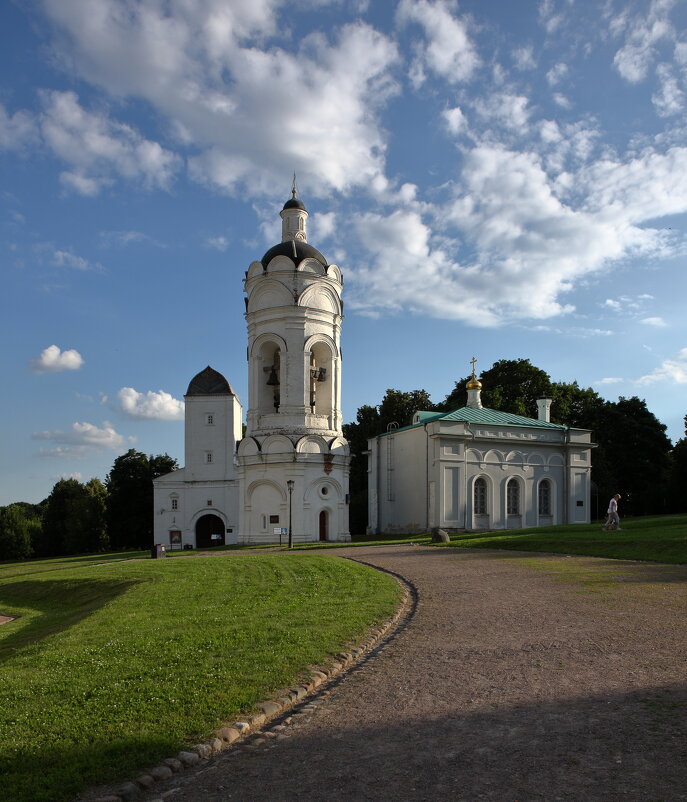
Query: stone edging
<point x="233" y="734"/>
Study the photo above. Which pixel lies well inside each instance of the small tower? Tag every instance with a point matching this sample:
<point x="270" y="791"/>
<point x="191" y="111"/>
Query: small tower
<point x="293" y="424"/>
<point x="474" y="388"/>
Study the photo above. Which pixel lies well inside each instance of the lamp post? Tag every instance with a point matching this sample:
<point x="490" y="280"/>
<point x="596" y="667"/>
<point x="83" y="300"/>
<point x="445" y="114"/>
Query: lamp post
<point x="289" y="484"/>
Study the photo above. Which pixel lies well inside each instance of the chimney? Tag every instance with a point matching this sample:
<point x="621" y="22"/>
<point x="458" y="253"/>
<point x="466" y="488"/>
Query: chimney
<point x="544" y="409"/>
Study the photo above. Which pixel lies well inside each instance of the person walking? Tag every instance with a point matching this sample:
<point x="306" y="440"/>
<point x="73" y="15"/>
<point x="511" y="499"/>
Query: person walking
<point x="612" y="517"/>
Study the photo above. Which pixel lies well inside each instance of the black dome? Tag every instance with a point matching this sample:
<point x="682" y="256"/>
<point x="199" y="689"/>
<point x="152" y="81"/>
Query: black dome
<point x="294" y="203"/>
<point x="209" y="382"/>
<point x="296" y="250"/>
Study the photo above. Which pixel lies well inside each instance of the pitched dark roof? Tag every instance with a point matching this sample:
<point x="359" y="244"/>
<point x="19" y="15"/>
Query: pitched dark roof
<point x="296" y="250"/>
<point x="209" y="382"/>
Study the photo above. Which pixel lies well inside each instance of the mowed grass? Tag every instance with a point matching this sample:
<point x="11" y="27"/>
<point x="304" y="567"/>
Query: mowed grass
<point x="661" y="539"/>
<point x="113" y="665"/>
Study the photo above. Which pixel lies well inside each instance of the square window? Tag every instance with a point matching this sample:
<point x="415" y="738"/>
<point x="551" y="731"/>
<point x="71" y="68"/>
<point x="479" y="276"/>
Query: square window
<point x="274" y="519"/>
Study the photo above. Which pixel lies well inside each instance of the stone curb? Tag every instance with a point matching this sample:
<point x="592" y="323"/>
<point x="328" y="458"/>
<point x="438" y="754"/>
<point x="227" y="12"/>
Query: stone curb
<point x="233" y="734"/>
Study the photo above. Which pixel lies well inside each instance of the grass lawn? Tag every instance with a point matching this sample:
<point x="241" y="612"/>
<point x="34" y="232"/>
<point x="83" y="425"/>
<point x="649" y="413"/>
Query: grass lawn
<point x="661" y="539"/>
<point x="113" y="664"/>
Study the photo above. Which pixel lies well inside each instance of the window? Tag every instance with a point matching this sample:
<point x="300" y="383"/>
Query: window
<point x="512" y="497"/>
<point x="209" y="502"/>
<point x="480" y="496"/>
<point x="175" y="503"/>
<point x="274" y="519"/>
<point x="545" y="497"/>
<point x="208" y="457"/>
<point x="210" y="420"/>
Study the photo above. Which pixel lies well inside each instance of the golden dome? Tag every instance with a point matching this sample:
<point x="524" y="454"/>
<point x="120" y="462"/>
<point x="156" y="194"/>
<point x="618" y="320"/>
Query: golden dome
<point x="474" y="384"/>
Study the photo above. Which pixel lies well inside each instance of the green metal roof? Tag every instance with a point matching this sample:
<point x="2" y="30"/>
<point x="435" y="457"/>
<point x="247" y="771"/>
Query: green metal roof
<point x="490" y="417"/>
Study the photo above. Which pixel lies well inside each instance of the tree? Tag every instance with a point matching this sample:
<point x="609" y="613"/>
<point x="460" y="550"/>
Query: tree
<point x="510" y="385"/>
<point x="96" y="517"/>
<point x="130" y="498"/>
<point x="397" y="407"/>
<point x="16" y="529"/>
<point x="71" y="513"/>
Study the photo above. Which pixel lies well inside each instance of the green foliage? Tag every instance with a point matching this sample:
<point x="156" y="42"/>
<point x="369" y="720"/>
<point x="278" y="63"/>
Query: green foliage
<point x="111" y="668"/>
<point x="661" y="539"/>
<point x="130" y="498"/>
<point x="16" y="530"/>
<point x="677" y="488"/>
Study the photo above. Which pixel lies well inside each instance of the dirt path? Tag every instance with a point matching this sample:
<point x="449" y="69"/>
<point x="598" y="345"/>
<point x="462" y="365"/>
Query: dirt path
<point x="519" y="677"/>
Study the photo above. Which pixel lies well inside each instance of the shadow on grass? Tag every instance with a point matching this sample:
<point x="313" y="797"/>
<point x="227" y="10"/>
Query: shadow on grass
<point x="60" y="604"/>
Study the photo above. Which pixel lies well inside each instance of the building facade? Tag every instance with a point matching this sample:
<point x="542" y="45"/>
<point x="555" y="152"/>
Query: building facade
<point x="289" y="472"/>
<point x="478" y="469"/>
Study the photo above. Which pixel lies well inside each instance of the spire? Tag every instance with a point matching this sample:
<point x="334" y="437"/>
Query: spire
<point x="474" y="388"/>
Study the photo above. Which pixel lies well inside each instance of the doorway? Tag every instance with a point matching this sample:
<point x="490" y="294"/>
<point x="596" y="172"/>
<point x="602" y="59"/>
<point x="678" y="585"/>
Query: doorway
<point x="209" y="531"/>
<point x="324" y="525"/>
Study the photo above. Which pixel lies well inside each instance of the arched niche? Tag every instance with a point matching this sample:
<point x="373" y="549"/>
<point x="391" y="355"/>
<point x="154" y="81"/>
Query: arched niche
<point x="311" y="266"/>
<point x="493" y="457"/>
<point x="255" y="269"/>
<point x="279" y="264"/>
<point x="339" y="446"/>
<point x="323" y="353"/>
<point x="535" y="459"/>
<point x="277" y="444"/>
<point x="555" y="460"/>
<point x="268" y="360"/>
<point x="269" y="294"/>
<point x="325" y="489"/>
<point x="248" y="447"/>
<point x="334" y="272"/>
<point x="320" y="296"/>
<point x="312" y="444"/>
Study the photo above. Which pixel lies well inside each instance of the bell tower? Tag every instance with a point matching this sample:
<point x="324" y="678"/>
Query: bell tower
<point x="293" y="434"/>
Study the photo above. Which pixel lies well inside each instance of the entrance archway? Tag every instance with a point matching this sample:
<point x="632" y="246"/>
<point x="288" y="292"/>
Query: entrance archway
<point x="209" y="531"/>
<point x="324" y="525"/>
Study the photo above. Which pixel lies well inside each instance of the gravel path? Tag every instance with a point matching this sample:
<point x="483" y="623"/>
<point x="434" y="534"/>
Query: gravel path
<point x="518" y="677"/>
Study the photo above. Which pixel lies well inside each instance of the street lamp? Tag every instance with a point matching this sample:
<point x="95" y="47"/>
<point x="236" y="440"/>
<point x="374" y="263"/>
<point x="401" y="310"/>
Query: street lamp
<point x="289" y="484"/>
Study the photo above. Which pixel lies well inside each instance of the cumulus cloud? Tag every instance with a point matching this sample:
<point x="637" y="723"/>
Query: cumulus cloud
<point x="149" y="406"/>
<point x="202" y="68"/>
<point x="217" y="243"/>
<point x="447" y="49"/>
<point x="670" y="370"/>
<point x="643" y="33"/>
<point x="53" y="360"/>
<point x="658" y="322"/>
<point x="99" y="149"/>
<point x="81" y="440"/>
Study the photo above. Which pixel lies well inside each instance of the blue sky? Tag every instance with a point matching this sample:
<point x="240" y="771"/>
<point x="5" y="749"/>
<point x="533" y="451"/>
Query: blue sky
<point x="495" y="179"/>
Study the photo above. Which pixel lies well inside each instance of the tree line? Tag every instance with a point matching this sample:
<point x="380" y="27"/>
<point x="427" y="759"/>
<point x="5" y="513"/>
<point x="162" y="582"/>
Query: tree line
<point x="90" y="517"/>
<point x="633" y="456"/>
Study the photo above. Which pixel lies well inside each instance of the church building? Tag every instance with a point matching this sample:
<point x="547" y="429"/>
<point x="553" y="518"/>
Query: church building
<point x="287" y="476"/>
<point x="478" y="469"/>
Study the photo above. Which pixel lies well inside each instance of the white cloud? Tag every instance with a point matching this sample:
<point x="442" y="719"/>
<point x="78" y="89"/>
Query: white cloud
<point x="68" y="259"/>
<point x="217" y="243"/>
<point x="99" y="149"/>
<point x="506" y="109"/>
<point x="124" y="238"/>
<point x="643" y="33"/>
<point x="658" y="322"/>
<point x="669" y="99"/>
<point x="455" y="120"/>
<point x="150" y="406"/>
<point x="523" y="58"/>
<point x="610" y="380"/>
<point x="53" y="360"/>
<point x="447" y="50"/>
<point x="557" y="73"/>
<point x="16" y="131"/>
<point x="670" y="370"/>
<point x="202" y="67"/>
<point x="81" y="440"/>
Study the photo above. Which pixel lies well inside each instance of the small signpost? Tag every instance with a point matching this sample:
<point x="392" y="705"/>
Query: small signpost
<point x="280" y="530"/>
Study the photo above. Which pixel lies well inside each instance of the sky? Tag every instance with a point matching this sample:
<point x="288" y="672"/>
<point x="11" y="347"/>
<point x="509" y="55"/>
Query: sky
<point x="495" y="179"/>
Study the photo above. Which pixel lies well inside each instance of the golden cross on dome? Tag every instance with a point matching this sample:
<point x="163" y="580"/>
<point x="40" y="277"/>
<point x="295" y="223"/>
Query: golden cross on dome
<point x="473" y="362"/>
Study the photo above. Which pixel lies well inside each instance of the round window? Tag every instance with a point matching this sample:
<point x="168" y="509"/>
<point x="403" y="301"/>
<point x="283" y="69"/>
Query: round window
<point x="324" y="490"/>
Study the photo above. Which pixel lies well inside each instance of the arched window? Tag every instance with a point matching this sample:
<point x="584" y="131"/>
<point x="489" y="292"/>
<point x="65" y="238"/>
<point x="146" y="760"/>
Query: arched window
<point x="512" y="497"/>
<point x="480" y="496"/>
<point x="545" y="497"/>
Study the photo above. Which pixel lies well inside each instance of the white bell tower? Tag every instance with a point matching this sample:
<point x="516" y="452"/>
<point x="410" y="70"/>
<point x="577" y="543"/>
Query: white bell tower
<point x="293" y="461"/>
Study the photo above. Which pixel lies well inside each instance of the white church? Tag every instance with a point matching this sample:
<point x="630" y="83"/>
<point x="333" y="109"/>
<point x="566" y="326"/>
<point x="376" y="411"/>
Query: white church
<point x="477" y="469"/>
<point x="287" y="476"/>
